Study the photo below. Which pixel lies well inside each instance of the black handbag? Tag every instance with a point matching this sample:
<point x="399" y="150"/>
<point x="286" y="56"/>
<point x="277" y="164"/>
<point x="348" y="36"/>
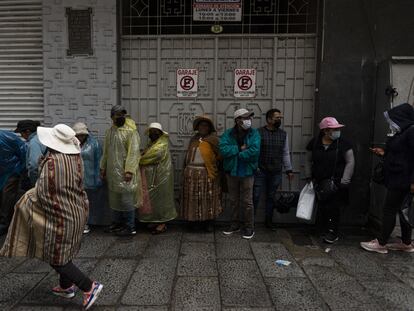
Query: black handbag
<point x="407" y="209"/>
<point x="327" y="187"/>
<point x="378" y="173"/>
<point x="283" y="201"/>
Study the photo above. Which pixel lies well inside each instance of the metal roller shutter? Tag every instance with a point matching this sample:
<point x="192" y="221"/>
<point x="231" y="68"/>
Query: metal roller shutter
<point x="21" y="62"/>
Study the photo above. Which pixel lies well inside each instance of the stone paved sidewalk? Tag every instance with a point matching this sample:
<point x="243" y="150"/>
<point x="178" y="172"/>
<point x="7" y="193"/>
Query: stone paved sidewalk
<point x="181" y="270"/>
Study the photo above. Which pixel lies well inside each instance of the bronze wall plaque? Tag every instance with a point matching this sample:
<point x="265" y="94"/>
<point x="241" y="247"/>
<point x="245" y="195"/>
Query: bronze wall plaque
<point x="79" y="31"/>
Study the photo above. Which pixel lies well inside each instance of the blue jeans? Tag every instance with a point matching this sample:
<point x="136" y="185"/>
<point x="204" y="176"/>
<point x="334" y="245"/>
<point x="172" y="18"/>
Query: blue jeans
<point x="269" y="182"/>
<point x="126" y="218"/>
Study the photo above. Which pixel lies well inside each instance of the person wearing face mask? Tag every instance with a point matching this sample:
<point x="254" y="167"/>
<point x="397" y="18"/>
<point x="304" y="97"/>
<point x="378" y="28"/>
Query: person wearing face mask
<point x="240" y="149"/>
<point x="157" y="170"/>
<point x="120" y="167"/>
<point x="274" y="156"/>
<point x="398" y="157"/>
<point x="330" y="156"/>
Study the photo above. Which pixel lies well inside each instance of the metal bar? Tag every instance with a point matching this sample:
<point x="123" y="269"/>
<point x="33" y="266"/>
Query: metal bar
<point x="290" y="35"/>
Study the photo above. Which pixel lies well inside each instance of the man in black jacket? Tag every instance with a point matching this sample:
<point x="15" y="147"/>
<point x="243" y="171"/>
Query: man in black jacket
<point x="398" y="178"/>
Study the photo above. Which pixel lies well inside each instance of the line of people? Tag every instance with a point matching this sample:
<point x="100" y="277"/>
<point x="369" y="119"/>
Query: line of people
<point x="56" y="165"/>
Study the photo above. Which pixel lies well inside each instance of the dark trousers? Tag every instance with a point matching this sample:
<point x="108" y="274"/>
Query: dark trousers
<point x="126" y="218"/>
<point x="69" y="274"/>
<point x="241" y="200"/>
<point x="329" y="211"/>
<point x="392" y="206"/>
<point x="10" y="195"/>
<point x="269" y="183"/>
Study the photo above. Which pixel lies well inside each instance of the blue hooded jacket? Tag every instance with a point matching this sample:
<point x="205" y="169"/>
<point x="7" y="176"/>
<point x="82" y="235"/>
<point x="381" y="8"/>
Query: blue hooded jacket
<point x="13" y="156"/>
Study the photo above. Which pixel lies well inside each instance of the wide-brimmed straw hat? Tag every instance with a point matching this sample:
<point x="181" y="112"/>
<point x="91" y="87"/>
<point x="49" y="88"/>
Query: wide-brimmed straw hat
<point x="200" y="119"/>
<point x="60" y="138"/>
<point x="330" y="123"/>
<point x="80" y="128"/>
<point x="156" y="125"/>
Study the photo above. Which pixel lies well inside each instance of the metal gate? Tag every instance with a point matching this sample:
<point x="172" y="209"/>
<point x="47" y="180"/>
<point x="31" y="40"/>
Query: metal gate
<point x="21" y="62"/>
<point x="285" y="79"/>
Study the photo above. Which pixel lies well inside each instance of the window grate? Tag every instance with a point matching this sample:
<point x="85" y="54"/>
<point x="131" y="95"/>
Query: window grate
<point x="163" y="17"/>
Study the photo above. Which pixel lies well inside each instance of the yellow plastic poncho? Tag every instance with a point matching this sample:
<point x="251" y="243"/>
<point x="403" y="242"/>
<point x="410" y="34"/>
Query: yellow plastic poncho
<point x="158" y="169"/>
<point x="120" y="155"/>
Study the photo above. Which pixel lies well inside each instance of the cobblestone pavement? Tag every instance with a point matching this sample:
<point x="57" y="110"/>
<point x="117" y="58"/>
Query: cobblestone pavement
<point x="181" y="270"/>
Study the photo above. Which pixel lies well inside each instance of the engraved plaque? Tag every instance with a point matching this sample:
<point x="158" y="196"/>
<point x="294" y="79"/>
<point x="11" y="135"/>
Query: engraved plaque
<point x="79" y="31"/>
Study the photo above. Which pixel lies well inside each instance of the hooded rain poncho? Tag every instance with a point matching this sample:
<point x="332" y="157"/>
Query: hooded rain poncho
<point x="157" y="166"/>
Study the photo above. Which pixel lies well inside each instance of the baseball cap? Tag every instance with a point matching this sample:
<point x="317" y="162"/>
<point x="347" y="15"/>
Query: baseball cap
<point x="242" y="112"/>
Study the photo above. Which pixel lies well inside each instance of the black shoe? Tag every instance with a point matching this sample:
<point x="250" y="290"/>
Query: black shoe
<point x="114" y="228"/>
<point x="209" y="226"/>
<point x="330" y="237"/>
<point x="232" y="229"/>
<point x="248" y="234"/>
<point x="270" y="225"/>
<point x="127" y="232"/>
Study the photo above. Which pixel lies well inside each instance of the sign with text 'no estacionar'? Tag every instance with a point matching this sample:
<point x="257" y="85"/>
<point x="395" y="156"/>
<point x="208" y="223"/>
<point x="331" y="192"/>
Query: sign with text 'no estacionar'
<point x="187" y="82"/>
<point x="245" y="83"/>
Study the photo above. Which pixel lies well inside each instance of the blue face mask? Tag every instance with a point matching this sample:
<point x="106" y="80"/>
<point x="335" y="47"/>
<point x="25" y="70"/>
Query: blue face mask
<point x="335" y="135"/>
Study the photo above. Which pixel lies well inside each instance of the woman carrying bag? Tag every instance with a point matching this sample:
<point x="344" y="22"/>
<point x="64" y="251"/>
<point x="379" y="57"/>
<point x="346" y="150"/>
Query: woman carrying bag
<point x="330" y="165"/>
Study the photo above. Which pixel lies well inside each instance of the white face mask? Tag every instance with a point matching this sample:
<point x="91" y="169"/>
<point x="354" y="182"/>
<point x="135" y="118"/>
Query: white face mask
<point x="246" y="124"/>
<point x="335" y="135"/>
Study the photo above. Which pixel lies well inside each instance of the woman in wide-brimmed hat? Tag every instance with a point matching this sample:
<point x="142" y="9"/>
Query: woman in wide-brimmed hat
<point x="201" y="199"/>
<point x="49" y="219"/>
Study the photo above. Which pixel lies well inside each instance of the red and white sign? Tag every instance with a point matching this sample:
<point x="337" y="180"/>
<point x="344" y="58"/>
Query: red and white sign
<point x="245" y="83"/>
<point x="187" y="82"/>
<point x="217" y="10"/>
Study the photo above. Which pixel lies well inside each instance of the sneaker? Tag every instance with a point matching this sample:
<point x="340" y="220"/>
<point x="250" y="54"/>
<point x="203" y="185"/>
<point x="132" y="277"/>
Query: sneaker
<point x="330" y="237"/>
<point x="400" y="246"/>
<point x="86" y="230"/>
<point x="232" y="229"/>
<point x="248" y="234"/>
<point x="374" y="246"/>
<point x="65" y="293"/>
<point x="90" y="297"/>
<point x="114" y="228"/>
<point x="126" y="232"/>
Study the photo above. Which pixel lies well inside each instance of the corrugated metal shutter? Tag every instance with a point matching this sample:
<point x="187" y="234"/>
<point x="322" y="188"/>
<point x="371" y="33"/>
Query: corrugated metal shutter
<point x="21" y="62"/>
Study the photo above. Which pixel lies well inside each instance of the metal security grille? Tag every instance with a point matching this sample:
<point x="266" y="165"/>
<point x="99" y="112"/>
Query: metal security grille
<point x="285" y="79"/>
<point x="158" y="17"/>
<point x="21" y="62"/>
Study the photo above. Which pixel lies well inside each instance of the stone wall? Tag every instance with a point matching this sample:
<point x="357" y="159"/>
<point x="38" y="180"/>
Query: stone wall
<point x="81" y="88"/>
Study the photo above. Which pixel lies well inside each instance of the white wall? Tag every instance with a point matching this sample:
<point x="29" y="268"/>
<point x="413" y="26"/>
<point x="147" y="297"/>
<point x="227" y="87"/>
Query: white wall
<point x="79" y="88"/>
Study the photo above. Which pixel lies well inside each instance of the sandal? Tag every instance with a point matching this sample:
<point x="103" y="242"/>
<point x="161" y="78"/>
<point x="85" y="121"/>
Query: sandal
<point x="159" y="231"/>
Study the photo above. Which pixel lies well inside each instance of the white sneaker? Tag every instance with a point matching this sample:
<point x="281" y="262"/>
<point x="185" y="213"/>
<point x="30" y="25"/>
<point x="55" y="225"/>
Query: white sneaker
<point x="86" y="230"/>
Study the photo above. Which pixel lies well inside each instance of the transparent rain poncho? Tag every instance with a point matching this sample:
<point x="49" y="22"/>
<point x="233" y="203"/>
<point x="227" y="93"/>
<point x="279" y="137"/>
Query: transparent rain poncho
<point x="91" y="153"/>
<point x="158" y="171"/>
<point x="13" y="156"/>
<point x="121" y="154"/>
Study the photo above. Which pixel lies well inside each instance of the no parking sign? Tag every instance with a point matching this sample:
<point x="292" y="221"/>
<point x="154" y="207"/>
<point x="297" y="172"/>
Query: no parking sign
<point x="245" y="83"/>
<point x="187" y="80"/>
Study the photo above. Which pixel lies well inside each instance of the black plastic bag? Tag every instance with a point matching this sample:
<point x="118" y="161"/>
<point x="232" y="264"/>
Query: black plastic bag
<point x="407" y="209"/>
<point x="285" y="200"/>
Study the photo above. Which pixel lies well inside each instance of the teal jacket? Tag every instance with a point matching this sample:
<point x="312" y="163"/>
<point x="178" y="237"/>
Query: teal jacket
<point x="232" y="155"/>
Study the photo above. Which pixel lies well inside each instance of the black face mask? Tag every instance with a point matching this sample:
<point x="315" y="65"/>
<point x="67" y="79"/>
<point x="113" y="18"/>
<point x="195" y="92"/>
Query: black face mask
<point x="120" y="121"/>
<point x="154" y="137"/>
<point x="277" y="123"/>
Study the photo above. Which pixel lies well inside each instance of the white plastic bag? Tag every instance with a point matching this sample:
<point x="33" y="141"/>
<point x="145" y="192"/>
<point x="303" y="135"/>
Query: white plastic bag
<point x="306" y="202"/>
